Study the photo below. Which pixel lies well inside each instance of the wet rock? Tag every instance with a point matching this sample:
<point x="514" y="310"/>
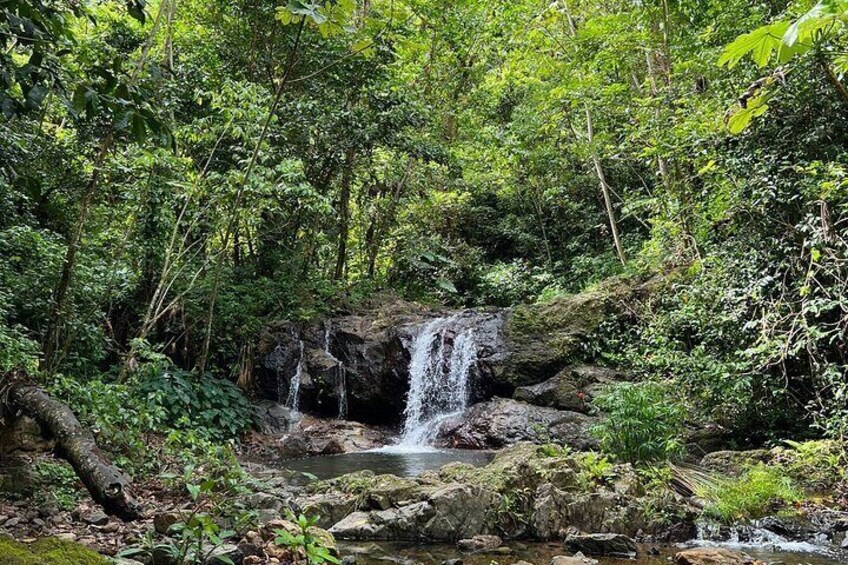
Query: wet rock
<point x="452" y="562"/>
<point x="734" y="462"/>
<point x="502" y="421"/>
<point x="605" y="545"/>
<point x="571" y="389"/>
<point x="351" y="560"/>
<point x="480" y="543"/>
<point x="372" y="345"/>
<point x="329" y="437"/>
<point x="275" y="419"/>
<point x="713" y="556"/>
<point x="225" y="554"/>
<point x="576" y="559"/>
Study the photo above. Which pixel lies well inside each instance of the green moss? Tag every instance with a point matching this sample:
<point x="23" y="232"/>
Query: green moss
<point x="47" y="551"/>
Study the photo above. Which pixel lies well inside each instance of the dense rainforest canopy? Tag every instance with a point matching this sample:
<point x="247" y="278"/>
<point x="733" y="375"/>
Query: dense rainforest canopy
<point x="175" y="175"/>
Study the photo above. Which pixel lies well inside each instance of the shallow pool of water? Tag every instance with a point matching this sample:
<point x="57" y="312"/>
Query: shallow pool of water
<point x="400" y="462"/>
<point x="540" y="554"/>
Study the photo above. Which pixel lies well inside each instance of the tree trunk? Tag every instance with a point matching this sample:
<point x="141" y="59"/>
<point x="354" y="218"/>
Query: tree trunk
<point x="605" y="190"/>
<point x="344" y="215"/>
<point x="106" y="483"/>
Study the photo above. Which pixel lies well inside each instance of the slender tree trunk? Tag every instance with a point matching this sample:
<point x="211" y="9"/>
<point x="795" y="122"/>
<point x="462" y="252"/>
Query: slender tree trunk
<point x="213" y="297"/>
<point x="344" y="214"/>
<point x="596" y="160"/>
<point x="605" y="189"/>
<point x="60" y="296"/>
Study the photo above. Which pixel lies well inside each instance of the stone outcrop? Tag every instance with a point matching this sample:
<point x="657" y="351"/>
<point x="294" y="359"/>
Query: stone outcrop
<point x="502" y="421"/>
<point x="329" y="437"/>
<point x="526" y="491"/>
<point x="571" y="389"/>
<point x="367" y="352"/>
<point x="530" y="350"/>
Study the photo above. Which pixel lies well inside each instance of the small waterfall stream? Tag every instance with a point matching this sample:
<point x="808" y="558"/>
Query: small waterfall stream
<point x="443" y="354"/>
<point x="293" y="400"/>
<point x="341" y="375"/>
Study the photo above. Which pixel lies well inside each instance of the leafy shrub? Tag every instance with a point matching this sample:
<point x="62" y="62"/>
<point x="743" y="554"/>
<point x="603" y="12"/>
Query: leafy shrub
<point x="59" y="483"/>
<point x="116" y="413"/>
<point x="214" y="407"/>
<point x="304" y="542"/>
<point x="759" y="491"/>
<point x="815" y="465"/>
<point x="642" y="423"/>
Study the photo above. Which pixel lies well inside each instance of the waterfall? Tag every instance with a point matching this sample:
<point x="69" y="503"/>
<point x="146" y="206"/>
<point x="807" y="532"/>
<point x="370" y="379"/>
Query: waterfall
<point x="443" y="355"/>
<point x="341" y="372"/>
<point x="293" y="400"/>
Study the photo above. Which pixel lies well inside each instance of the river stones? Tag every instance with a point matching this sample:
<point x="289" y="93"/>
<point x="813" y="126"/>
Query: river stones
<point x="576" y="559"/>
<point x="480" y="543"/>
<point x="713" y="556"/>
<point x="604" y="545"/>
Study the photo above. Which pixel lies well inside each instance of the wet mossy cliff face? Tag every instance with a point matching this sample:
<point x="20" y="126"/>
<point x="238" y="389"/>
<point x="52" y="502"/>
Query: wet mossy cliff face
<point x="542" y="339"/>
<point x="367" y="354"/>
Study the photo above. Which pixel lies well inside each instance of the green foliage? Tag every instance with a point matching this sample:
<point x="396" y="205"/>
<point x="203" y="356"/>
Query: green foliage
<point x="217" y="489"/>
<point x="58" y="483"/>
<point x="304" y="542"/>
<point x="594" y="470"/>
<point x="643" y="423"/>
<point x="759" y="491"/>
<point x="182" y="400"/>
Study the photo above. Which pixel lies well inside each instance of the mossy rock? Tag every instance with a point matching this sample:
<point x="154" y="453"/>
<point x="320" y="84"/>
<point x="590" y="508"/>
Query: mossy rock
<point x="544" y="338"/>
<point x="48" y="551"/>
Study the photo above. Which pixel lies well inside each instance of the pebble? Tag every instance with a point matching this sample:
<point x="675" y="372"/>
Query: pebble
<point x="12" y="522"/>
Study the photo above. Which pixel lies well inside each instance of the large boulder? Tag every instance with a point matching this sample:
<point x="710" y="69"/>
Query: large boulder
<point x="502" y="421"/>
<point x="543" y="339"/>
<point x="603" y="545"/>
<point x="448" y="512"/>
<point x="571" y="389"/>
<point x="329" y="437"/>
<point x="713" y="556"/>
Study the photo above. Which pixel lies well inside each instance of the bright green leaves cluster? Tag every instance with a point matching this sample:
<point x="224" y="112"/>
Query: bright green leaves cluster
<point x="330" y="18"/>
<point x="780" y="42"/>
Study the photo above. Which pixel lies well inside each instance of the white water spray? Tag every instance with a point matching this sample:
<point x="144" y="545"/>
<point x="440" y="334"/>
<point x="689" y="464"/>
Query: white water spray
<point x="438" y="379"/>
<point x="341" y="375"/>
<point x="293" y="400"/>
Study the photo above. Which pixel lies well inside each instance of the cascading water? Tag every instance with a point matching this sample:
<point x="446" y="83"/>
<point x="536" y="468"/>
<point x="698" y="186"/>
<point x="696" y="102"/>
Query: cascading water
<point x="341" y="375"/>
<point x="293" y="400"/>
<point x="438" y="378"/>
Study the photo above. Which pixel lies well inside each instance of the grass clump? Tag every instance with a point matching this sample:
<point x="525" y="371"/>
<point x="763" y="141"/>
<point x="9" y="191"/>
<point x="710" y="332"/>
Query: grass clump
<point x="759" y="491"/>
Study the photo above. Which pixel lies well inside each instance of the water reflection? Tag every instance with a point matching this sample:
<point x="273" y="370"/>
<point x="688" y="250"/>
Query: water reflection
<point x="403" y="463"/>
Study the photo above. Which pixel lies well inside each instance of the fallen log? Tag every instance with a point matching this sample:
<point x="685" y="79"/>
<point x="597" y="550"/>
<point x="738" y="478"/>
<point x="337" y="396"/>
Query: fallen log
<point x="106" y="483"/>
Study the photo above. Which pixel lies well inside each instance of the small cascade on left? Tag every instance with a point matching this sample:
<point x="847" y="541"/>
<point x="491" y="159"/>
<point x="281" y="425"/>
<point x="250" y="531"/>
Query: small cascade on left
<point x="293" y="400"/>
<point x="341" y="371"/>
